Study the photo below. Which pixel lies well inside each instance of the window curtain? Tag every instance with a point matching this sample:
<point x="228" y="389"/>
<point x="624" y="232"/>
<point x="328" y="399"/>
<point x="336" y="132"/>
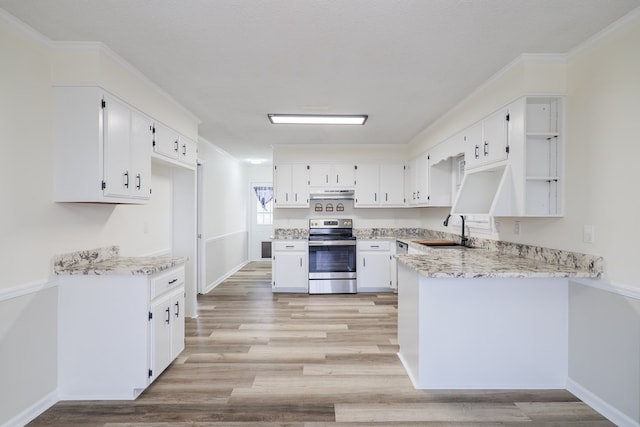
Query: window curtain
<point x="264" y="195"/>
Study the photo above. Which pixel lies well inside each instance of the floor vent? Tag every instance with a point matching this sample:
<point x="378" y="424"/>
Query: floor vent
<point x="266" y="250"/>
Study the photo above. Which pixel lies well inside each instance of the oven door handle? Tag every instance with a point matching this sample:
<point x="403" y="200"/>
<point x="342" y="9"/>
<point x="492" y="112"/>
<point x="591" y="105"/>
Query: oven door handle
<point x="333" y="243"/>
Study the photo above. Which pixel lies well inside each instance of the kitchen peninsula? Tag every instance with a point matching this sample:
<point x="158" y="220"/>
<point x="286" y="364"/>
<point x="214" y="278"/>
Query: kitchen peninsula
<point x="482" y="319"/>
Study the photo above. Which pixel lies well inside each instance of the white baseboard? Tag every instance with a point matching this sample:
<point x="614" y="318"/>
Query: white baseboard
<point x="33" y="411"/>
<point x="605" y="409"/>
<point x="212" y="285"/>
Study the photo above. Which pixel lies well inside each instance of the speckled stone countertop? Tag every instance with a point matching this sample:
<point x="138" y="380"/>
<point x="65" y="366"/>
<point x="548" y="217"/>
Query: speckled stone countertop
<point x="483" y="263"/>
<point x="107" y="261"/>
<point x="488" y="258"/>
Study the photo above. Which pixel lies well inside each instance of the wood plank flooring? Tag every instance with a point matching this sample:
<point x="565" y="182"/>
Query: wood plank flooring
<point x="257" y="359"/>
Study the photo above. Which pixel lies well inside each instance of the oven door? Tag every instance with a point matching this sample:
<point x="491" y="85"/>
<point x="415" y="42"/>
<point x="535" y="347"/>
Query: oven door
<point x="332" y="259"/>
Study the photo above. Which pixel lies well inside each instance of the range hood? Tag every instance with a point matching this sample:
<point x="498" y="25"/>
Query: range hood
<point x="486" y="192"/>
<point x="331" y="194"/>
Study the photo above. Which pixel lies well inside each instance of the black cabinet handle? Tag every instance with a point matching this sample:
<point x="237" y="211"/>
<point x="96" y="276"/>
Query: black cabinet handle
<point x="176" y="145"/>
<point x="477" y="152"/>
<point x="177" y="309"/>
<point x="486" y="148"/>
<point x="184" y="149"/>
<point x="126" y="179"/>
<point x="138" y="181"/>
<point x="171" y="282"/>
<point x="168" y="319"/>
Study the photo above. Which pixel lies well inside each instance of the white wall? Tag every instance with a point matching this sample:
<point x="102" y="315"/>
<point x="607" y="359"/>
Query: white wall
<point x="225" y="209"/>
<point x="33" y="228"/>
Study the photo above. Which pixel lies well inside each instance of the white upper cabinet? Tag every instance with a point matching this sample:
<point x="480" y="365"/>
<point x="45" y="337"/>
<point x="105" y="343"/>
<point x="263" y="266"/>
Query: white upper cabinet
<point x="102" y="148"/>
<point x="525" y="178"/>
<point x="169" y="145"/>
<point x="487" y="141"/>
<point x="291" y="185"/>
<point x="327" y="175"/>
<point x="367" y="191"/>
<point x="392" y="184"/>
<point x="417" y="181"/>
<point x="379" y="185"/>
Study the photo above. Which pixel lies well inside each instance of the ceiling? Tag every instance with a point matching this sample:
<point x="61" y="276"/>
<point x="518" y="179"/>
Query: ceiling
<point x="402" y="62"/>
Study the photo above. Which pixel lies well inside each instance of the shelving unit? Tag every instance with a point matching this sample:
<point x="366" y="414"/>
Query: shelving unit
<point x="543" y="149"/>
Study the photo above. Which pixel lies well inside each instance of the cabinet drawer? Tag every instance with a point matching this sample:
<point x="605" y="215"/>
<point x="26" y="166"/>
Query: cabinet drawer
<point x="166" y="281"/>
<point x="376" y="245"/>
<point x="290" y="245"/>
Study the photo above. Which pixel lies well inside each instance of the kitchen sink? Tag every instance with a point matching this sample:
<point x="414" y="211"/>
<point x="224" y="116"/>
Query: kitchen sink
<point x="441" y="244"/>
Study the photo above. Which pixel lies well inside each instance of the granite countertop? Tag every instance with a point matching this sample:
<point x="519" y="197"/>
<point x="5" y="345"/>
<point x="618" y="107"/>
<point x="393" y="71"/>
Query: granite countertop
<point x="107" y="261"/>
<point x="483" y="263"/>
<point x="486" y="258"/>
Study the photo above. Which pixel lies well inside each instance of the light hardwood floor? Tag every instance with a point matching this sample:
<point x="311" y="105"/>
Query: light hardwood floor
<point x="257" y="359"/>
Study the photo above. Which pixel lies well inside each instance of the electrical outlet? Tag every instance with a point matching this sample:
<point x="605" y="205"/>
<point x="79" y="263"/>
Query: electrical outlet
<point x="516" y="227"/>
<point x="588" y="234"/>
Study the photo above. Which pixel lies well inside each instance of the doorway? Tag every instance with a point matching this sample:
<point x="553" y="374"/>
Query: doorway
<point x="261" y="221"/>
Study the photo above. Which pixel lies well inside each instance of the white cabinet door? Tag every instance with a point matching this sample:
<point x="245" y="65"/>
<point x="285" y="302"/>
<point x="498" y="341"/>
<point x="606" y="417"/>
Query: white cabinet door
<point x="290" y="266"/>
<point x="421" y="174"/>
<point x="343" y="175"/>
<point x="177" y="322"/>
<point x="188" y="151"/>
<point x="300" y="185"/>
<point x="291" y="185"/>
<point x="410" y="183"/>
<point x="320" y="175"/>
<point x="374" y="265"/>
<point x="494" y="132"/>
<point x="367" y="189"/>
<point x="166" y="141"/>
<point x="141" y="145"/>
<point x="472" y="137"/>
<point x="160" y="335"/>
<point x="117" y="148"/>
<point x="392" y="184"/>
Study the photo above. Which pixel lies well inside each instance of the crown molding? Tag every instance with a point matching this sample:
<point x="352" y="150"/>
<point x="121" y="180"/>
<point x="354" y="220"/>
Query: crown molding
<point x="524" y="58"/>
<point x="23" y="28"/>
<point x="82" y="46"/>
<point x="604" y="34"/>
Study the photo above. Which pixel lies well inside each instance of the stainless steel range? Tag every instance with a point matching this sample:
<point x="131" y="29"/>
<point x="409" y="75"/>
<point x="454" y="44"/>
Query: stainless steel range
<point x="332" y="256"/>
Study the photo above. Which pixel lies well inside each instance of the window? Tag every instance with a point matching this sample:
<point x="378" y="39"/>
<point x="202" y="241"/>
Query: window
<point x="264" y="207"/>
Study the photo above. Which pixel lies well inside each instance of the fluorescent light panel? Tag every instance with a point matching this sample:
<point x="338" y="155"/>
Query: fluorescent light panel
<point x="317" y="119"/>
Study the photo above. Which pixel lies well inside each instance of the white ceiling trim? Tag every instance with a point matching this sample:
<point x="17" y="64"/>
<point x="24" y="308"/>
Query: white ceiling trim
<point x="107" y="51"/>
<point x="23" y="28"/>
<point x="522" y="58"/>
<point x="604" y="34"/>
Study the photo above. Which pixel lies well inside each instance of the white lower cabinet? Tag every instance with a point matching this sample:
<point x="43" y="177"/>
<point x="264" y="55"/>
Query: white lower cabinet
<point x="290" y="268"/>
<point x="374" y="265"/>
<point x="167" y="325"/>
<point x="117" y="333"/>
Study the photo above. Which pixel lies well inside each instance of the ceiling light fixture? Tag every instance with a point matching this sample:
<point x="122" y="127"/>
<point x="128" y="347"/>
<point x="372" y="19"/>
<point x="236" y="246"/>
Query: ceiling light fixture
<point x="317" y="119"/>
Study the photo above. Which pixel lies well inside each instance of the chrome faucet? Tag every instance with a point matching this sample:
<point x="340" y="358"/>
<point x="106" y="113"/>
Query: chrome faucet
<point x="463" y="239"/>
